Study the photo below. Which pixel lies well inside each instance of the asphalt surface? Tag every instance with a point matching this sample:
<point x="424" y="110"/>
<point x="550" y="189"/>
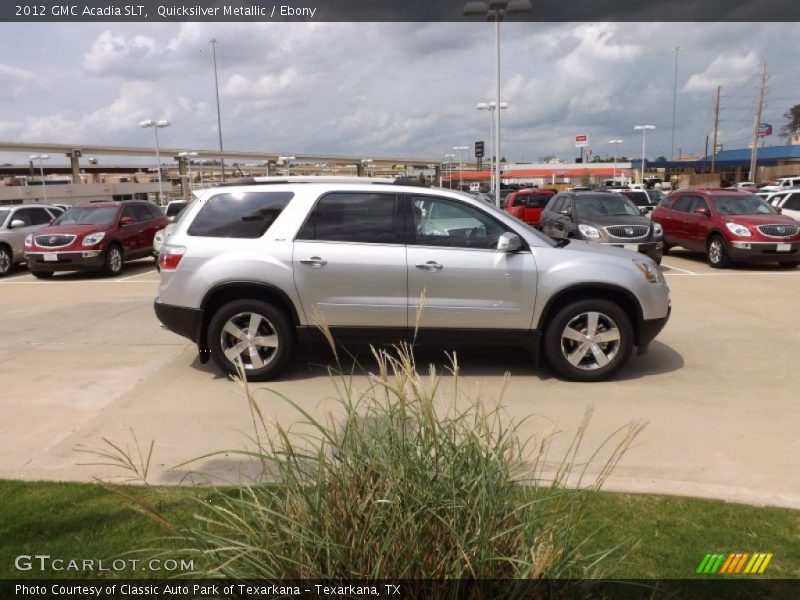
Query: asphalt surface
<point x="84" y="362"/>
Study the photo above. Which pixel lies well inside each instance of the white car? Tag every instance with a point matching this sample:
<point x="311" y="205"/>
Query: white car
<point x="782" y="183"/>
<point x="788" y="202"/>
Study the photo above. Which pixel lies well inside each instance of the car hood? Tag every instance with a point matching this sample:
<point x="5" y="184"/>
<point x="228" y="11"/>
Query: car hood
<point x="759" y="219"/>
<point x="72" y="229"/>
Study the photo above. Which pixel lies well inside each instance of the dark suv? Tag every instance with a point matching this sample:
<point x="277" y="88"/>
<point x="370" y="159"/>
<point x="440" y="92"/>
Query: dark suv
<point x="728" y="225"/>
<point x="93" y="237"/>
<point x="602" y="217"/>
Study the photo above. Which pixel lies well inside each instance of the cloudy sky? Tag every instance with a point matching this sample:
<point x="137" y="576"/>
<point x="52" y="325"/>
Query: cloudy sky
<point x="391" y="89"/>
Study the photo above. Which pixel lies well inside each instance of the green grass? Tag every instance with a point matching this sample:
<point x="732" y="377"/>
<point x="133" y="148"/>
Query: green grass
<point x="671" y="535"/>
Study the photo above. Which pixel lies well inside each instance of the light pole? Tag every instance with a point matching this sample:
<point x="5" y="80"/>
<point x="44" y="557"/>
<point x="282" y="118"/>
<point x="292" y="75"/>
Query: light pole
<point x="614" y="145"/>
<point x="288" y="165"/>
<point x="643" y="129"/>
<point x="213" y="43"/>
<point x="450" y="158"/>
<point x="674" y="101"/>
<point x="491" y="107"/>
<point x="156" y="125"/>
<point x="460" y="166"/>
<point x="41" y="158"/>
<point x="495" y="10"/>
<point x="188" y="156"/>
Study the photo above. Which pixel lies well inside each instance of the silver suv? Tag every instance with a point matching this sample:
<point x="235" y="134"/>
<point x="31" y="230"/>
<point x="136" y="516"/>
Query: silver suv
<point x="254" y="268"/>
<point x="16" y="223"/>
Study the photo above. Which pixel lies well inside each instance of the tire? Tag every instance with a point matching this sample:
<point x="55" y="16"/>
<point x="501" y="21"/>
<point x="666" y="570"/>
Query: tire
<point x="42" y="274"/>
<point x="666" y="247"/>
<point x="272" y="323"/>
<point x="6" y="261"/>
<point x="113" y="261"/>
<point x="789" y="264"/>
<point x="586" y="366"/>
<point x="717" y="252"/>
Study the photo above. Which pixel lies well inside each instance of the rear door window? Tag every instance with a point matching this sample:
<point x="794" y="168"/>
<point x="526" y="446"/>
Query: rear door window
<point x="355" y="217"/>
<point x="682" y="204"/>
<point x="239" y="214"/>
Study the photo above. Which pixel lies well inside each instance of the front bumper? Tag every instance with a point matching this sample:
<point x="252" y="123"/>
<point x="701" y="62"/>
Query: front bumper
<point x="649" y="329"/>
<point x="179" y="319"/>
<point x="654" y="250"/>
<point x="73" y="260"/>
<point x="764" y="251"/>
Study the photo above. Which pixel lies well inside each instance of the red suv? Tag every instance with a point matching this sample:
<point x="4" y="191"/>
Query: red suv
<point x="527" y="205"/>
<point x="97" y="236"/>
<point x="728" y="225"/>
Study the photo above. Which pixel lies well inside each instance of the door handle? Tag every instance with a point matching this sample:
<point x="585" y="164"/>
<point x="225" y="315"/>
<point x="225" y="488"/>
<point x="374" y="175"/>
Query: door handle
<point x="141" y="231"/>
<point x="314" y="261"/>
<point x="431" y="265"/>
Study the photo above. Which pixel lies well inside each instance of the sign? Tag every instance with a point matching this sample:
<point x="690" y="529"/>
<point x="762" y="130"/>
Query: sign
<point x="478" y="149"/>
<point x="581" y="141"/>
<point x="764" y="129"/>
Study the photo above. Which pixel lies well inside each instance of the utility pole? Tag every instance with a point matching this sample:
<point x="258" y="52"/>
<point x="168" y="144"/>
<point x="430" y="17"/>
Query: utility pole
<point x="674" y="102"/>
<point x="716" y="128"/>
<point x="213" y="43"/>
<point x="754" y="152"/>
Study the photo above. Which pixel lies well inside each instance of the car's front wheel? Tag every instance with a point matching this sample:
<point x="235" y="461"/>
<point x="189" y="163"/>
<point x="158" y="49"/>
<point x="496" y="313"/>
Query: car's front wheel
<point x="718" y="253"/>
<point x="256" y="334"/>
<point x="589" y="340"/>
<point x="5" y="261"/>
<point x="113" y="262"/>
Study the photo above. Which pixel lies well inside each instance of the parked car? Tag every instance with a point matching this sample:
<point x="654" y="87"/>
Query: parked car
<point x="527" y="205"/>
<point x="646" y="199"/>
<point x="94" y="236"/>
<point x="252" y="270"/>
<point x="782" y="183"/>
<point x="174" y="208"/>
<point x="16" y="223"/>
<point x="602" y="217"/>
<point x="729" y="226"/>
<point x="787" y="203"/>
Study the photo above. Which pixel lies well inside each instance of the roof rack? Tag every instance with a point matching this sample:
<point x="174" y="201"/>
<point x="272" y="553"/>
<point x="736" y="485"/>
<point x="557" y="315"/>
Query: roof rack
<point x="304" y="179"/>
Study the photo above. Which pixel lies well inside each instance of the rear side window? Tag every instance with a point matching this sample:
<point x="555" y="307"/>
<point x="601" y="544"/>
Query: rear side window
<point x="174" y="208"/>
<point x="239" y="215"/>
<point x="355" y="217"/>
<point x="792" y="202"/>
<point x="536" y="200"/>
<point x="554" y="204"/>
<point x="639" y="198"/>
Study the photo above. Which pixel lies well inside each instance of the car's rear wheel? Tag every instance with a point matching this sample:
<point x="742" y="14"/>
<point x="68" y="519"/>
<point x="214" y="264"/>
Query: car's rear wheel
<point x="789" y="264"/>
<point x="718" y="253"/>
<point x="5" y="261"/>
<point x="42" y="274"/>
<point x="252" y="332"/>
<point x="589" y="340"/>
<point x="113" y="262"/>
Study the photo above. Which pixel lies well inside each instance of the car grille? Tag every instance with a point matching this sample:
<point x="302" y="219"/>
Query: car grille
<point x="779" y="231"/>
<point x="54" y="241"/>
<point x="627" y="231"/>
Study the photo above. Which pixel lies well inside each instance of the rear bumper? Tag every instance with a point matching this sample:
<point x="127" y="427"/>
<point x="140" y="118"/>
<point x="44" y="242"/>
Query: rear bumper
<point x="87" y="260"/>
<point x="764" y="251"/>
<point x="179" y="319"/>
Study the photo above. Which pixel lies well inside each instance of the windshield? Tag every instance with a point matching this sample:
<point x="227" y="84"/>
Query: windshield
<point x="88" y="215"/>
<point x="742" y="205"/>
<point x="611" y="205"/>
<point x="3" y="216"/>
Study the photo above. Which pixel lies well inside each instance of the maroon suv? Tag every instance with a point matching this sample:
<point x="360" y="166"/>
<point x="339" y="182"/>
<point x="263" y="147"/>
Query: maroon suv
<point x="99" y="236"/>
<point x="728" y="225"/>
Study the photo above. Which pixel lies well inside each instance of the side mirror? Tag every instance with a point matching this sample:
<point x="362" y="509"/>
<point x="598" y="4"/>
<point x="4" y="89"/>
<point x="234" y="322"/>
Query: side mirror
<point x="643" y="211"/>
<point x="778" y="209"/>
<point x="701" y="211"/>
<point x="508" y="242"/>
<point x="16" y="223"/>
<point x="126" y="221"/>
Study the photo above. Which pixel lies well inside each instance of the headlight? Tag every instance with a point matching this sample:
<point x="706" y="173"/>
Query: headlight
<point x="588" y="231"/>
<point x="737" y="229"/>
<point x="658" y="231"/>
<point x="29" y="240"/>
<point x="93" y="238"/>
<point x="649" y="270"/>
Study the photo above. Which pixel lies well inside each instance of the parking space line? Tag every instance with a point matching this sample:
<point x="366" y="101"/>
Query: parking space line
<point x="134" y="276"/>
<point x="670" y="267"/>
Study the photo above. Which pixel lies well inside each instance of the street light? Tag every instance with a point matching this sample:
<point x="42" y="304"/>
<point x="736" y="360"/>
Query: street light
<point x="213" y="43"/>
<point x="450" y="158"/>
<point x="460" y="166"/>
<point x="42" y="157"/>
<point x="614" y="143"/>
<point x="491" y="107"/>
<point x="285" y="160"/>
<point x="643" y="129"/>
<point x="495" y="10"/>
<point x="674" y="101"/>
<point x="365" y="162"/>
<point x="188" y="156"/>
<point x="156" y="125"/>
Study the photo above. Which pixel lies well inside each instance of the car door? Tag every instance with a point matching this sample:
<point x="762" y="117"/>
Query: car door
<point x="33" y="219"/>
<point x="548" y="214"/>
<point x="674" y="221"/>
<point x="147" y="225"/>
<point x="129" y="235"/>
<point x="697" y="226"/>
<point x="456" y="277"/>
<point x="349" y="261"/>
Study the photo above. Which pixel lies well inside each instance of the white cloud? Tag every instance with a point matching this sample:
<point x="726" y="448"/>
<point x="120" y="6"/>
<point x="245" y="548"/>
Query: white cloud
<point x="729" y="69"/>
<point x="14" y="82"/>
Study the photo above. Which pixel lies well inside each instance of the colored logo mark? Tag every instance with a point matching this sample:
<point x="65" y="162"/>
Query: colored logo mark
<point x="734" y="563"/>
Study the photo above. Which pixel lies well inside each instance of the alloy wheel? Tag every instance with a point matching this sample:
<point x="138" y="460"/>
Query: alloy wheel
<point x="715" y="251"/>
<point x="5" y="261"/>
<point x="590" y="340"/>
<point x="115" y="259"/>
<point x="250" y="337"/>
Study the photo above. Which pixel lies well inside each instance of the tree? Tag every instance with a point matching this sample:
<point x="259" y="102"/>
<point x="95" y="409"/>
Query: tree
<point x="793" y="126"/>
<point x="586" y="178"/>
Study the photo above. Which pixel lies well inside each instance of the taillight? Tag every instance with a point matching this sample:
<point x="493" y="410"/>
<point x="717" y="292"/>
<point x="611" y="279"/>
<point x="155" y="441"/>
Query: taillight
<point x="170" y="257"/>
